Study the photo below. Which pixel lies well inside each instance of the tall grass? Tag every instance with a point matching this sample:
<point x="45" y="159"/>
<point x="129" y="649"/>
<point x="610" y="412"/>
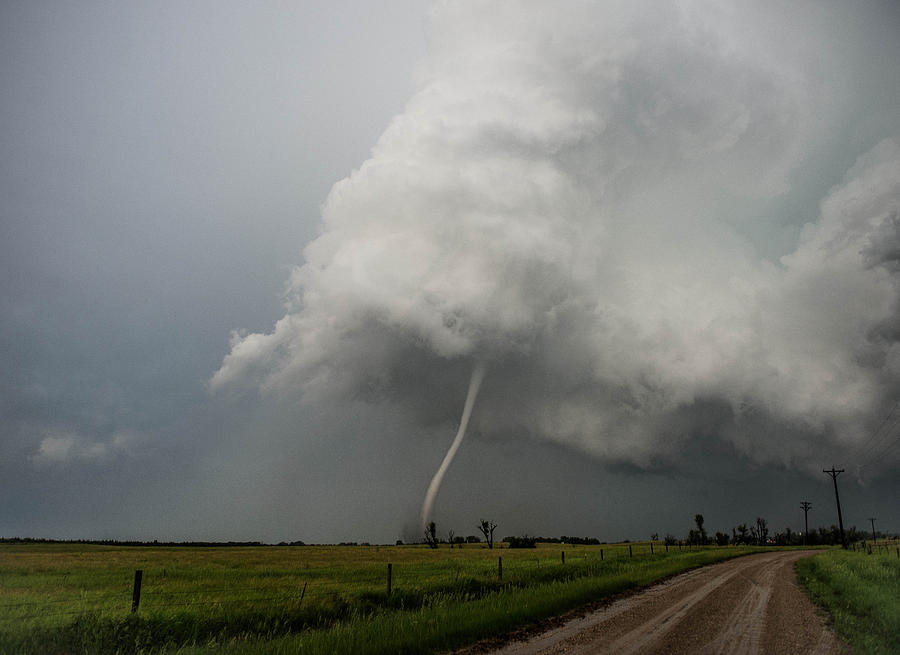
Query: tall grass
<point x="450" y="622"/>
<point x="76" y="599"/>
<point x="861" y="593"/>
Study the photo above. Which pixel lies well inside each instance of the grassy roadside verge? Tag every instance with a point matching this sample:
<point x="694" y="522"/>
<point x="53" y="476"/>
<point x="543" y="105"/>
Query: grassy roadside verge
<point x="451" y="621"/>
<point x="861" y="593"/>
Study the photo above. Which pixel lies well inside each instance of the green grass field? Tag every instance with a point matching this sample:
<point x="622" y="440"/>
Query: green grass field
<point x="861" y="592"/>
<point x="70" y="598"/>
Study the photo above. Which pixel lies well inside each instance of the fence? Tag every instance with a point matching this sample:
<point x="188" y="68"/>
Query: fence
<point x="231" y="589"/>
<point x="133" y="599"/>
<point x="306" y="595"/>
<point x="875" y="548"/>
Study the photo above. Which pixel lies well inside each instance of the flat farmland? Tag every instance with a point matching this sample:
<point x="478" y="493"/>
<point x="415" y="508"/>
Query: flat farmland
<point x="79" y="597"/>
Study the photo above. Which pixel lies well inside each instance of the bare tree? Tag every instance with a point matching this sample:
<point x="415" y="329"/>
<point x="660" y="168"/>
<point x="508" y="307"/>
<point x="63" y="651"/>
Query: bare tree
<point x="487" y="529"/>
<point x="431" y="535"/>
<point x="450" y="535"/>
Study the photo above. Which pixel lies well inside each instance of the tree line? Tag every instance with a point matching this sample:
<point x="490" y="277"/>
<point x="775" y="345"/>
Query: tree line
<point x="757" y="533"/>
<point x="484" y="526"/>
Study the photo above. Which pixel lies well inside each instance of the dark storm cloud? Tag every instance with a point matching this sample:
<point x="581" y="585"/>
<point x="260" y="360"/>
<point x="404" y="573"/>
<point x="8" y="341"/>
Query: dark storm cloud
<point x="593" y="198"/>
<point x="162" y="167"/>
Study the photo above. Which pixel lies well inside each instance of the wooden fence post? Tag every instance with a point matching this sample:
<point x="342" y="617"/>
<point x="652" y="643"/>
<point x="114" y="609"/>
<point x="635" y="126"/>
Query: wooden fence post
<point x="500" y="568"/>
<point x="563" y="553"/>
<point x="629" y="551"/>
<point x="651" y="547"/>
<point x="390" y="567"/>
<point x="601" y="554"/>
<point x="302" y="593"/>
<point x="136" y="592"/>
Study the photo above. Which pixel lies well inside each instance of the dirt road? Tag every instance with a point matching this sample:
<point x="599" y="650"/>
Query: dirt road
<point x="743" y="606"/>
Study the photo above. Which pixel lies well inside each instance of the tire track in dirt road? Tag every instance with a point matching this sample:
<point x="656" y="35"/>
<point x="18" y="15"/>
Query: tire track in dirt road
<point x="746" y="606"/>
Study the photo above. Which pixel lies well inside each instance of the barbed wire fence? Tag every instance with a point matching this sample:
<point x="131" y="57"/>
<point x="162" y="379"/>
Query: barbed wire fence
<point x="514" y="572"/>
<point x="152" y="597"/>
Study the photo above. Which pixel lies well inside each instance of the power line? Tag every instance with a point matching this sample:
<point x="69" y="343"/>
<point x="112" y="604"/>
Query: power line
<point x="877" y="435"/>
<point x="882" y="451"/>
<point x="885" y="419"/>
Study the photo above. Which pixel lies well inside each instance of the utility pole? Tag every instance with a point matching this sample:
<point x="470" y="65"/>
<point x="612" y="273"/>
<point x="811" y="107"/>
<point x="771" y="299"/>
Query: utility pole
<point x="834" y="473"/>
<point x="805" y="505"/>
<point x="873" y="529"/>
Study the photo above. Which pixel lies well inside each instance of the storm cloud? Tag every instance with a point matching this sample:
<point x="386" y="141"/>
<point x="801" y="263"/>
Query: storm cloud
<point x="571" y="196"/>
<point x="668" y="231"/>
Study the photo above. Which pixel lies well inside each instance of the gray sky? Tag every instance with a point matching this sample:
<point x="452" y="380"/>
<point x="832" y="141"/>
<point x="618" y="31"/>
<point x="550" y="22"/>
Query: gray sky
<point x="670" y="235"/>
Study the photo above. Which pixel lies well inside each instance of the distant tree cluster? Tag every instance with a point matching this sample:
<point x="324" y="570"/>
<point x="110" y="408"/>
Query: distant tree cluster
<point x="116" y="542"/>
<point x="432" y="539"/>
<point x="487" y="528"/>
<point x="821" y="536"/>
<point x="574" y="541"/>
<point x="580" y="541"/>
<point x="757" y="534"/>
<point x="698" y="537"/>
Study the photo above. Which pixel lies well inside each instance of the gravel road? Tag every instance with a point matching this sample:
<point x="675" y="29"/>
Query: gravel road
<point x="743" y="606"/>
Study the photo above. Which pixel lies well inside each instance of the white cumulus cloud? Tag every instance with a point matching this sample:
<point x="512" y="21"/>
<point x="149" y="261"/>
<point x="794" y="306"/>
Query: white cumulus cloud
<point x="563" y="200"/>
<point x="64" y="447"/>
